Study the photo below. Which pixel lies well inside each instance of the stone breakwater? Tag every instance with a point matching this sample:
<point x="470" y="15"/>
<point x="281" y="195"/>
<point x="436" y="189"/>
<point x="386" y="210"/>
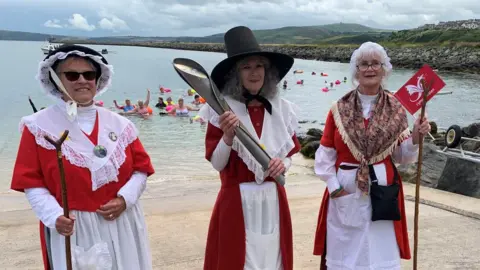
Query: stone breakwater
<point x="452" y="58"/>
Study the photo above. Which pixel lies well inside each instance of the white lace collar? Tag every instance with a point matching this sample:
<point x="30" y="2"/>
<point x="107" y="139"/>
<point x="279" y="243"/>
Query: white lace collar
<point x="115" y="133"/>
<point x="276" y="136"/>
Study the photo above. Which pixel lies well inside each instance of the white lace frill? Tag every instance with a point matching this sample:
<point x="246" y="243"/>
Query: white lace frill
<point x="101" y="176"/>
<point x="276" y="136"/>
<point x="48" y="88"/>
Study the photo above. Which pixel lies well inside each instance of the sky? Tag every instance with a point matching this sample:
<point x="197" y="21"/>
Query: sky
<point x="207" y="17"/>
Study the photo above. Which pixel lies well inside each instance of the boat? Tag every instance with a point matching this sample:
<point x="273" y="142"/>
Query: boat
<point x="104" y="51"/>
<point x="48" y="47"/>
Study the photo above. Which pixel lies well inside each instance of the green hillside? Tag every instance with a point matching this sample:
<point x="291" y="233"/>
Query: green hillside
<point x="310" y="34"/>
<point x="25" y="36"/>
<point x="330" y="34"/>
<point x="340" y="32"/>
<point x="351" y="28"/>
<point x="435" y="36"/>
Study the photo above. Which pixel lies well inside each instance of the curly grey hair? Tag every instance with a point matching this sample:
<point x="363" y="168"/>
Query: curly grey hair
<point x="370" y="49"/>
<point x="234" y="88"/>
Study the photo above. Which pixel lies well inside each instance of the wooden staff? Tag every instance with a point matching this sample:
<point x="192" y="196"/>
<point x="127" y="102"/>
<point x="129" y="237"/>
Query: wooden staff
<point x="426" y="90"/>
<point x="58" y="148"/>
<point x="33" y="105"/>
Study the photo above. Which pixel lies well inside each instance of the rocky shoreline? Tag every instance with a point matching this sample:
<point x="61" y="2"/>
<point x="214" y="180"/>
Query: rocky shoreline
<point x="446" y="58"/>
<point x="438" y="170"/>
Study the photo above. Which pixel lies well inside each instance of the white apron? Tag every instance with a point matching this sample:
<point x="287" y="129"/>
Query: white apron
<point x="353" y="240"/>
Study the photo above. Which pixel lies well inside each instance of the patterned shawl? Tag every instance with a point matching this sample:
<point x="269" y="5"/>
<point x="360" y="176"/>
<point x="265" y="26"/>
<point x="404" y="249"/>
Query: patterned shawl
<point x="387" y="127"/>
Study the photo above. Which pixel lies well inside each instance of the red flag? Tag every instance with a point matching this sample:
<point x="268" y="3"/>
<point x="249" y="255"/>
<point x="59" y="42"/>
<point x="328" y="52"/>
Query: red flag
<point x="411" y="93"/>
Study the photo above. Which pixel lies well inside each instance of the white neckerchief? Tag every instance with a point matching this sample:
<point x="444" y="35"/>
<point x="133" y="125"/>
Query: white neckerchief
<point x="84" y="118"/>
<point x="277" y="131"/>
<point x="367" y="103"/>
<point x="78" y="149"/>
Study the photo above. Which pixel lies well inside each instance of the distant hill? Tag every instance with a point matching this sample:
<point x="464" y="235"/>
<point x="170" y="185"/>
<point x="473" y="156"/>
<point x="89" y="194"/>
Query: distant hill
<point x="435" y="36"/>
<point x="315" y="34"/>
<point x="338" y="33"/>
<point x="284" y="35"/>
<point x="26" y="36"/>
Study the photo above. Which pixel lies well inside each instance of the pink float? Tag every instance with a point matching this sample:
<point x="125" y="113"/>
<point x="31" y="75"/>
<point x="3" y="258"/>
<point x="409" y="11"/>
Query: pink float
<point x="325" y="89"/>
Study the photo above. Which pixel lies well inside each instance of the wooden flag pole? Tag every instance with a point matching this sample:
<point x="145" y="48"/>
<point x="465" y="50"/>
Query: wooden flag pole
<point x="426" y="90"/>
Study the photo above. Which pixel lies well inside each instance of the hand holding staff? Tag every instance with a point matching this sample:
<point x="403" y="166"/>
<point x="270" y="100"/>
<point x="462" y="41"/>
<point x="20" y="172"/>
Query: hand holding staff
<point x="58" y="148"/>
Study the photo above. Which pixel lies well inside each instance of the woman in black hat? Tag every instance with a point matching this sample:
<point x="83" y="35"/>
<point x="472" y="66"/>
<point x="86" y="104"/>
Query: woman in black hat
<point x="250" y="226"/>
<point x="106" y="168"/>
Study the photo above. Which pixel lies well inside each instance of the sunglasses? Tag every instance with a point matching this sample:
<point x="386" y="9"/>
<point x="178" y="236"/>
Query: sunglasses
<point x="87" y="75"/>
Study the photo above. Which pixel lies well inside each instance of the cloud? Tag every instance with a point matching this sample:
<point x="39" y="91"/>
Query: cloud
<point x="53" y="24"/>
<point x="203" y="17"/>
<point x="206" y="17"/>
<point x="79" y="22"/>
<point x="113" y="23"/>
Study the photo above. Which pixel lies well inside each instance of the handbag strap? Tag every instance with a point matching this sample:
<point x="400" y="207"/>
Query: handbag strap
<point x="371" y="172"/>
<point x="373" y="175"/>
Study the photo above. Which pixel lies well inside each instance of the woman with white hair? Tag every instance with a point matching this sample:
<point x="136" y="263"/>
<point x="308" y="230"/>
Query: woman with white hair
<point x="362" y="224"/>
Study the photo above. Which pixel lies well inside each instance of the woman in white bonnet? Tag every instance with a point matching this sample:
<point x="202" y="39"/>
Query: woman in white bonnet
<point x="106" y="169"/>
<point x="366" y="131"/>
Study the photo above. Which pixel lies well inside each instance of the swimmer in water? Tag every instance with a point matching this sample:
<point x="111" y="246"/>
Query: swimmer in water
<point x="181" y="109"/>
<point x="125" y="108"/>
<point x="161" y="104"/>
<point x="190" y="92"/>
<point x="142" y="107"/>
<point x="169" y="101"/>
<point x="196" y="101"/>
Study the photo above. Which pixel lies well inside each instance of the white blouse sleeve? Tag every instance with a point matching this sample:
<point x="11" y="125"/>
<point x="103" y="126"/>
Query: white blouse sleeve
<point x="287" y="162"/>
<point x="220" y="155"/>
<point x="44" y="205"/>
<point x="406" y="153"/>
<point x="134" y="188"/>
<point x="325" y="159"/>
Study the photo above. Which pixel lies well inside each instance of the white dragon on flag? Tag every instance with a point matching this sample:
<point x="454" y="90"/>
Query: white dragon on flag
<point x="415" y="91"/>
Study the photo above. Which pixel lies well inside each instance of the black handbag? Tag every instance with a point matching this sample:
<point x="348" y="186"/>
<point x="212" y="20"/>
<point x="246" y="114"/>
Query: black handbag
<point x="384" y="198"/>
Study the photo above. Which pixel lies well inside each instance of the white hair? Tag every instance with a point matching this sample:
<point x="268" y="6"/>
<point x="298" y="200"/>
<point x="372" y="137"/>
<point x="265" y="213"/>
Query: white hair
<point x="365" y="50"/>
